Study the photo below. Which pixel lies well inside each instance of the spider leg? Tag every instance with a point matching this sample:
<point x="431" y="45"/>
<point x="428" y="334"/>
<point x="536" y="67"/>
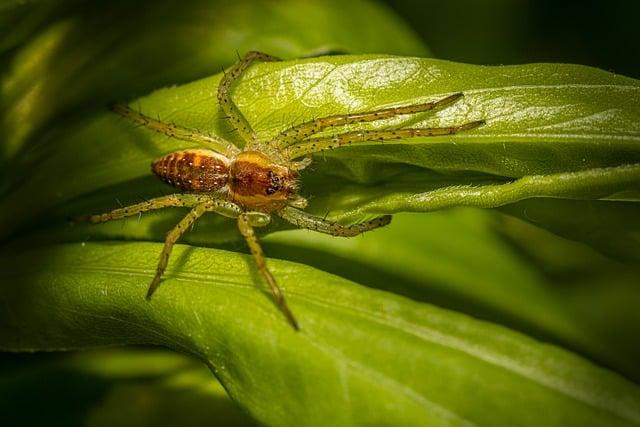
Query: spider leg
<point x="208" y="204"/>
<point x="307" y="129"/>
<point x="177" y="200"/>
<point x="232" y="112"/>
<point x="170" y="240"/>
<point x="216" y="143"/>
<point x="305" y="220"/>
<point x="336" y="141"/>
<point x="245" y="225"/>
<point x="199" y="204"/>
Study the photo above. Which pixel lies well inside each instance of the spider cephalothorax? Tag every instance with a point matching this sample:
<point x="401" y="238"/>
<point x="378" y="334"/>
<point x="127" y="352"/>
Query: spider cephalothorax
<point x="255" y="181"/>
<point x="260" y="180"/>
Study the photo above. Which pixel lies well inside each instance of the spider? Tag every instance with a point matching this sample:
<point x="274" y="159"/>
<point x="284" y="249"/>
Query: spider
<point x="259" y="180"/>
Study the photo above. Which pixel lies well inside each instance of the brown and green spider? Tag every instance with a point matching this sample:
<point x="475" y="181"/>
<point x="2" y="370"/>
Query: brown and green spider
<point x="259" y="180"/>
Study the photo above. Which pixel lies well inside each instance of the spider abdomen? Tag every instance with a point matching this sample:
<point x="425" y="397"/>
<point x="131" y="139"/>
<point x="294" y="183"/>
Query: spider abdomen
<point x="195" y="170"/>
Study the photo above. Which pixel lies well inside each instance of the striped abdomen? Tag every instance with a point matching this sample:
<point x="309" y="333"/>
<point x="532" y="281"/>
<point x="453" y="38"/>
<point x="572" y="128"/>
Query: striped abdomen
<point x="194" y="170"/>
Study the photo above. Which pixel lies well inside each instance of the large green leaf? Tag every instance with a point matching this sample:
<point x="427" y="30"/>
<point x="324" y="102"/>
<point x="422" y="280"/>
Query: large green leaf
<point x="559" y="131"/>
<point x="363" y="357"/>
<point x="493" y="267"/>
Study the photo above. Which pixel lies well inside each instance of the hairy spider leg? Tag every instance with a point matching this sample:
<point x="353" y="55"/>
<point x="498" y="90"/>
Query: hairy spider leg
<point x="199" y="204"/>
<point x="211" y="205"/>
<point x="312" y="222"/>
<point x="222" y="207"/>
<point x="315" y="145"/>
<point x="245" y="225"/>
<point x="171" y="239"/>
<point x="172" y="200"/>
<point x="307" y="129"/>
<point x="216" y="143"/>
<point x="233" y="113"/>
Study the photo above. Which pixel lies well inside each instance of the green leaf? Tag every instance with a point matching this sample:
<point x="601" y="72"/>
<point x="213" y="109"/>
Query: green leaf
<point x="560" y="131"/>
<point x="493" y="267"/>
<point x="398" y="363"/>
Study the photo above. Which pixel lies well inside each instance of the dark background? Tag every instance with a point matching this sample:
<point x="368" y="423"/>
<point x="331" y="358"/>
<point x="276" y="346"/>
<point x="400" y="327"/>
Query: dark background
<point x="604" y="34"/>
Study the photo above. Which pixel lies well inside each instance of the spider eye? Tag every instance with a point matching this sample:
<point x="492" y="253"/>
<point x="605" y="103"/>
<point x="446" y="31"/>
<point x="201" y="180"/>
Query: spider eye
<point x="275" y="183"/>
